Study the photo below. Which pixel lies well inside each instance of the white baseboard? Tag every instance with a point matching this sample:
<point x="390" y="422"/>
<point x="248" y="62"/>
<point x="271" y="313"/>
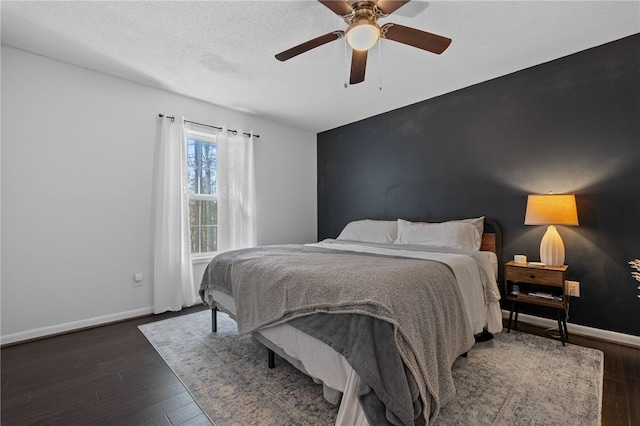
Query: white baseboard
<point x="72" y="326"/>
<point x="612" y="336"/>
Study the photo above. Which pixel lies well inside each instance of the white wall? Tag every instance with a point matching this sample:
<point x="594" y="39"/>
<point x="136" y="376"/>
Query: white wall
<point x="77" y="159"/>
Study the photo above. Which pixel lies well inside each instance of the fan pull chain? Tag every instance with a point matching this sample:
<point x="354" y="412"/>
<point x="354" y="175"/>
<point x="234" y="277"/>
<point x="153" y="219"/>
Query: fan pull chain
<point x="346" y="67"/>
<point x="380" y="63"/>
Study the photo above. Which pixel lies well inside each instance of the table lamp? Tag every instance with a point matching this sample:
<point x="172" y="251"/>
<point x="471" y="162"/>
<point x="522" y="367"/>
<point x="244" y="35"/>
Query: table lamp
<point x="551" y="209"/>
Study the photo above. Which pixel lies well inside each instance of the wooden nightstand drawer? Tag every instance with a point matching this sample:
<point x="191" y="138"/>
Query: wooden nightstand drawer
<point x="536" y="276"/>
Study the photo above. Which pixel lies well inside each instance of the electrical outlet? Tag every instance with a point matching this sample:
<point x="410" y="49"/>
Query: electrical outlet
<point x="573" y="288"/>
<point x="137" y="280"/>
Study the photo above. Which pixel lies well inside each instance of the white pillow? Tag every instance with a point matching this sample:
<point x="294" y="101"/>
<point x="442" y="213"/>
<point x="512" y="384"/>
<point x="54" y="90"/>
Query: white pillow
<point x="478" y="222"/>
<point x="453" y="234"/>
<point x="370" y="231"/>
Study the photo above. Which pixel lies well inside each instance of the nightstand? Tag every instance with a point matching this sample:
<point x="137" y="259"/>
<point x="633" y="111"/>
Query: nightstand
<point x="542" y="286"/>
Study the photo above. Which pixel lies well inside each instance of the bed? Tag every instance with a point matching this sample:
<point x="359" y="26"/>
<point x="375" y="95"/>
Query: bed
<point x="354" y="312"/>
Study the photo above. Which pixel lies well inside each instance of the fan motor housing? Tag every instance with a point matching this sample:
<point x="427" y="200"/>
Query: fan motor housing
<point x="363" y="10"/>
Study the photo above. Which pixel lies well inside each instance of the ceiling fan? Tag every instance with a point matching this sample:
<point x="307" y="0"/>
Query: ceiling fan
<point x="363" y="32"/>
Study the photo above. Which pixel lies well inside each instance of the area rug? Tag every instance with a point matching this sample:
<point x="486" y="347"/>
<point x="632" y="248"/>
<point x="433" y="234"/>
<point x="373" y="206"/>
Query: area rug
<point x="513" y="379"/>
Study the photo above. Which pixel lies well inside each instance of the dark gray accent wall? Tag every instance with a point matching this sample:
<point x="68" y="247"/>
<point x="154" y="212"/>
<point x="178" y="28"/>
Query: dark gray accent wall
<point x="568" y="126"/>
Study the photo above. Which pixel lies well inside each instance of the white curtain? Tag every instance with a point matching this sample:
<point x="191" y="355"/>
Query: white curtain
<point x="172" y="277"/>
<point x="236" y="192"/>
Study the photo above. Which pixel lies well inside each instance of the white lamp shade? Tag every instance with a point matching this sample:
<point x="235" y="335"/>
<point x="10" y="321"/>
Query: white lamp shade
<point x="552" y="248"/>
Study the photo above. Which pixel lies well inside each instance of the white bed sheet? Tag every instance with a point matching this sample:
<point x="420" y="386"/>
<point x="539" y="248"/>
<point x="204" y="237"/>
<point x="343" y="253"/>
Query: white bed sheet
<point x="326" y="365"/>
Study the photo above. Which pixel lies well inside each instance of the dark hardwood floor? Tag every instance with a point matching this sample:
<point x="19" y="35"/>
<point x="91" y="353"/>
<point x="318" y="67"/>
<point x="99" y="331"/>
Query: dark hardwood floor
<point x="112" y="375"/>
<point x="108" y="375"/>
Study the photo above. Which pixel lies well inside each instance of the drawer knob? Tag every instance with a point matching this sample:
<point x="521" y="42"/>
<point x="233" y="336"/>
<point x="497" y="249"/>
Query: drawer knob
<point x="532" y="276"/>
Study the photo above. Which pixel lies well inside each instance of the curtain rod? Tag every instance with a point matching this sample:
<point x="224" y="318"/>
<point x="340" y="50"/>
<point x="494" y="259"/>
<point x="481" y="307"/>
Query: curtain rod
<point x="235" y="132"/>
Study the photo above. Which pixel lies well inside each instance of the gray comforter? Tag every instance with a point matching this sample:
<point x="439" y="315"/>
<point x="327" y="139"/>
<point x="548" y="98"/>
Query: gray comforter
<point x="399" y="322"/>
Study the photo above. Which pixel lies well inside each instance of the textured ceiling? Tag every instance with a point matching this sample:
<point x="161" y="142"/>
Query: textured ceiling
<point x="223" y="52"/>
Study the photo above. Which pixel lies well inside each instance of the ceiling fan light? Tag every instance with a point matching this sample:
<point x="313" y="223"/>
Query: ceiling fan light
<point x="363" y="35"/>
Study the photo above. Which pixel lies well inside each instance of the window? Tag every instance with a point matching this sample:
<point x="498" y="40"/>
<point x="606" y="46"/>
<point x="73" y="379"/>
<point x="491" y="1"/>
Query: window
<point x="202" y="181"/>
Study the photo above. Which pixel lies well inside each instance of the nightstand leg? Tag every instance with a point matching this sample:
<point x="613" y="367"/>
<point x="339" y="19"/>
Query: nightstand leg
<point x="566" y="330"/>
<point x="561" y="328"/>
<point x="513" y="304"/>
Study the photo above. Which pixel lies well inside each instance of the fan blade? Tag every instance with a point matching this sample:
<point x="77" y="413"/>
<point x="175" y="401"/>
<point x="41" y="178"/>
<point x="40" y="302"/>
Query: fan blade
<point x="358" y="66"/>
<point x="416" y="38"/>
<point x="339" y="7"/>
<point x="308" y="45"/>
<point x="389" y="6"/>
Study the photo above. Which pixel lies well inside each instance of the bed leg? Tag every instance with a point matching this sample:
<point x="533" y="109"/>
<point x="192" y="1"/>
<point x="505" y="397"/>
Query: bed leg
<point x="271" y="358"/>
<point x="214" y="319"/>
<point x="464" y="355"/>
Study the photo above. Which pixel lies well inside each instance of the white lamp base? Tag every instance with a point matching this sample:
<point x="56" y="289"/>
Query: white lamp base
<point x="552" y="248"/>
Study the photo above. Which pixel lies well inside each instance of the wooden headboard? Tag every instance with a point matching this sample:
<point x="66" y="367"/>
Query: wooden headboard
<point x="492" y="241"/>
<point x="488" y="242"/>
<point x="492" y="238"/>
